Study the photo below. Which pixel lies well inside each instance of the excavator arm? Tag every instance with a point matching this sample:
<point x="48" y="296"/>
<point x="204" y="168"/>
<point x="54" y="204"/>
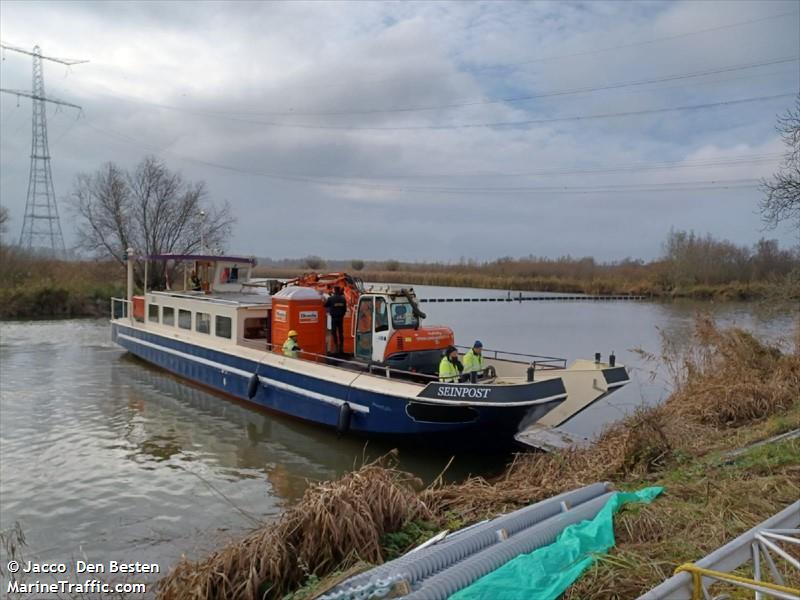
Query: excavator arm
<point x="352" y="287"/>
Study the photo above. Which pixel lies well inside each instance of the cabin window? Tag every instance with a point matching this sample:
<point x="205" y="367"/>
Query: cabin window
<point x="168" y="316"/>
<point x="403" y="316"/>
<point x="184" y="319"/>
<point x="255" y="328"/>
<point x="381" y="315"/>
<point x="152" y="313"/>
<point x="202" y="322"/>
<point x="222" y="327"/>
<point x="364" y="323"/>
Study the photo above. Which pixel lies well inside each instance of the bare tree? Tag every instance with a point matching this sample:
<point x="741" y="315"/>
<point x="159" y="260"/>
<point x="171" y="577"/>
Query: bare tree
<point x="782" y="192"/>
<point x="152" y="210"/>
<point x="3" y="219"/>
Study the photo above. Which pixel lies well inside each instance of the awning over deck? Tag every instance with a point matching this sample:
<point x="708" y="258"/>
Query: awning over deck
<point x="204" y="257"/>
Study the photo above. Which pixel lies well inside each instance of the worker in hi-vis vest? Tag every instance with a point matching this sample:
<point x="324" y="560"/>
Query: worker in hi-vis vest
<point x="473" y="359"/>
<point x="450" y="367"/>
<point x="290" y="346"/>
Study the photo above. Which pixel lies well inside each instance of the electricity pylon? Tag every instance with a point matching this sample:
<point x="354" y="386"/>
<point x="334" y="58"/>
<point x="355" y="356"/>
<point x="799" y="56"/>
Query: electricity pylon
<point x="41" y="227"/>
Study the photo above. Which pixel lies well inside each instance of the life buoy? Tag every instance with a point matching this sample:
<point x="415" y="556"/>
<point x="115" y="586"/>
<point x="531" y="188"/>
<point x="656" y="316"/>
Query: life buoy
<point x="345" y="414"/>
<point x="252" y="386"/>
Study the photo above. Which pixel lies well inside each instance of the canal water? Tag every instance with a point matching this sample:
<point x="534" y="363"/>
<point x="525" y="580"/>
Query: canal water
<point x="105" y="458"/>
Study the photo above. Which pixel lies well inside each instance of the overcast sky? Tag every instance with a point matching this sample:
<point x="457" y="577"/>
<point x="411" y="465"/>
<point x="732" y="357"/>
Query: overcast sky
<point x="421" y="130"/>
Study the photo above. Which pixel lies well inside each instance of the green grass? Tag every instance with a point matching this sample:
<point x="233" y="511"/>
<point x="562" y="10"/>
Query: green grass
<point x="412" y="534"/>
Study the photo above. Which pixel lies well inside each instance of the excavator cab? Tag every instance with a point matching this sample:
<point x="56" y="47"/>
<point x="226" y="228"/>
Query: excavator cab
<point x="373" y="327"/>
<point x="387" y="332"/>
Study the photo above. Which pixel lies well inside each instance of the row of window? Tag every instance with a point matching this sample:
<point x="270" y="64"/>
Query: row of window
<point x="202" y="321"/>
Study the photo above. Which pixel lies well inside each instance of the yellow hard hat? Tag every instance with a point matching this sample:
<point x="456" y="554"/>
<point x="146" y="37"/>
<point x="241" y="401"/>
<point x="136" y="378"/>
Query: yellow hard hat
<point x="292" y="333"/>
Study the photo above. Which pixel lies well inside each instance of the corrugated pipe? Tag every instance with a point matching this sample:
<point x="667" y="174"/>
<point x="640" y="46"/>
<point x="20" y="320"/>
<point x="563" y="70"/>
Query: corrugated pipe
<point x="443" y="584"/>
<point x="456" y="547"/>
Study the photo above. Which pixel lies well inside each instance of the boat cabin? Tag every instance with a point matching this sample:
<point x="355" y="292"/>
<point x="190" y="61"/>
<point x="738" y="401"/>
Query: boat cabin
<point x="213" y="297"/>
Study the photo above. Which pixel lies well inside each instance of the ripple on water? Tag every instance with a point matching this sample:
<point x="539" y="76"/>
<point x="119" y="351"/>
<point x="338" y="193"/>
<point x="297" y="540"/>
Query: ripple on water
<point x="98" y="450"/>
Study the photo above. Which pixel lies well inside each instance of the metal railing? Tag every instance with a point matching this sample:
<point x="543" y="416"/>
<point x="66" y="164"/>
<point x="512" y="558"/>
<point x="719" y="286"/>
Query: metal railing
<point x="368" y="367"/>
<point x="539" y="361"/>
<point x="121" y="309"/>
<point x="206" y="298"/>
<point x="762" y="544"/>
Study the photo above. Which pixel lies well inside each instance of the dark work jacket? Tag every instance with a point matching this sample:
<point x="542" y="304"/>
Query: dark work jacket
<point x="337" y="306"/>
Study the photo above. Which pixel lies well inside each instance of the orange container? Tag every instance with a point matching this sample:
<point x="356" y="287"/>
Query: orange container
<point x="138" y="308"/>
<point x="303" y="310"/>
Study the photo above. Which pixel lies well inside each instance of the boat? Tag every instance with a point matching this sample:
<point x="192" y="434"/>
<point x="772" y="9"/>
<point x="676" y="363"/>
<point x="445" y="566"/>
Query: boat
<point x="224" y="330"/>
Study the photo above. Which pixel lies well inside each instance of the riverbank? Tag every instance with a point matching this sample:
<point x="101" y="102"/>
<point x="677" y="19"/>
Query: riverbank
<point x="40" y="288"/>
<point x="786" y="288"/>
<point x="730" y="390"/>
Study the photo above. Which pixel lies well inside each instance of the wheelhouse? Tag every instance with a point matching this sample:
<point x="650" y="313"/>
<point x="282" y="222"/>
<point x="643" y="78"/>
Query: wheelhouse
<point x="206" y="296"/>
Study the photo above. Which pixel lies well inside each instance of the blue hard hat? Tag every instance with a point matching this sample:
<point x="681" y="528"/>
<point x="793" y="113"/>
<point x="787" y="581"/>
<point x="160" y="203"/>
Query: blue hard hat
<point x="477" y="344"/>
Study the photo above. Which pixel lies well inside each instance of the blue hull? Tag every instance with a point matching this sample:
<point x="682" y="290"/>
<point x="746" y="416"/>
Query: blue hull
<point x="317" y="400"/>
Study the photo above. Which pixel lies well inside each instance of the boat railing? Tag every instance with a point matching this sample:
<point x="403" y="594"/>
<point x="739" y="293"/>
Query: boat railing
<point x="121" y="309"/>
<point x="538" y="361"/>
<point x="202" y="296"/>
<point x="371" y="368"/>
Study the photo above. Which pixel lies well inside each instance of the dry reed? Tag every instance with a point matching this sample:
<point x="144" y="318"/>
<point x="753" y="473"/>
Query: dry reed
<point x="335" y="525"/>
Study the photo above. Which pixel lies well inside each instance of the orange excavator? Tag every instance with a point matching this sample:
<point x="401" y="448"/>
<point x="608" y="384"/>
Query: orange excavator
<point x="383" y="324"/>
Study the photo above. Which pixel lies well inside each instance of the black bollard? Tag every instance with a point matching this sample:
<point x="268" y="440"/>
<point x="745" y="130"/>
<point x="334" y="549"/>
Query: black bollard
<point x="531" y="370"/>
<point x="597" y="358"/>
<point x="612" y="360"/>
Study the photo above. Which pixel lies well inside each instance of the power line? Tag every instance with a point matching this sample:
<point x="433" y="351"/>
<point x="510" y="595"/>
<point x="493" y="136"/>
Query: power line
<point x="466" y="103"/>
<point x="64" y="61"/>
<point x="531" y="97"/>
<point x="705" y="185"/>
<point x="501" y="123"/>
<point x="645" y="42"/>
<point x="631" y="167"/>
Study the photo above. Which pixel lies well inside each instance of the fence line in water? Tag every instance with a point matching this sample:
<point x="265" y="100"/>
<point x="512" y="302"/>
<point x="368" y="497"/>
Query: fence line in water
<point x="521" y="298"/>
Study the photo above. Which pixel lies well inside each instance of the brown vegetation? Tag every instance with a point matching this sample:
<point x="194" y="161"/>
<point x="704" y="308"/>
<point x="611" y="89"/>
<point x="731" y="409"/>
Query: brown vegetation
<point x="340" y="523"/>
<point x="33" y="287"/>
<point x="692" y="266"/>
<point x="335" y="523"/>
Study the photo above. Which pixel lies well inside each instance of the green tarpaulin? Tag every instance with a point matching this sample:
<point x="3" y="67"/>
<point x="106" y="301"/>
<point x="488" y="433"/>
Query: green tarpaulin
<point x="545" y="573"/>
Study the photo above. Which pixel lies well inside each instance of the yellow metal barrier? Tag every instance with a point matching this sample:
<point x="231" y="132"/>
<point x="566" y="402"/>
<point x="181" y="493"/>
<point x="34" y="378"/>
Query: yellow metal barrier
<point x="698" y="573"/>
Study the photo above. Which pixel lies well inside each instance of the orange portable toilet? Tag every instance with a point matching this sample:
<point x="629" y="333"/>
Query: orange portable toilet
<point x="301" y="309"/>
<point x="138" y="308"/>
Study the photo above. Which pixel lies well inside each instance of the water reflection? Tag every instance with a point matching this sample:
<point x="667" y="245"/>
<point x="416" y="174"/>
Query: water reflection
<point x="242" y="437"/>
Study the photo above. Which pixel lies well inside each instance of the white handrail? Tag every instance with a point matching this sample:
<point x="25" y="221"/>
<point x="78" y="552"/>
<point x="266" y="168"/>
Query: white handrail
<point x="126" y="305"/>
